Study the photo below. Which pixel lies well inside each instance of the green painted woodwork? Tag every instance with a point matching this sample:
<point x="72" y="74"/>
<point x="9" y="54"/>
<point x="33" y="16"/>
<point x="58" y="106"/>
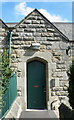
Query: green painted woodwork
<point x="36" y="74"/>
<point x="10" y="94"/>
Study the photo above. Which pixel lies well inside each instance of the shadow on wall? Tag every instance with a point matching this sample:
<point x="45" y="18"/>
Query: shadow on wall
<point x="66" y="113"/>
<point x="29" y="53"/>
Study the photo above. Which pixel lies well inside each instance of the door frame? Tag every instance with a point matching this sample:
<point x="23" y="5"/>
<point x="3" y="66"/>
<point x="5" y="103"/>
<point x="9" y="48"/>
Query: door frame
<point x="48" y="95"/>
<point x="44" y="106"/>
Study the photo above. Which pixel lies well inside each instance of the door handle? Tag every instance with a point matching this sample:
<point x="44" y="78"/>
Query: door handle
<point x="36" y="86"/>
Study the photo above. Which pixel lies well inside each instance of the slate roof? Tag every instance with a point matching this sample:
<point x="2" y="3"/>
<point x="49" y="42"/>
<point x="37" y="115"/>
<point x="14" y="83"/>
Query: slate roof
<point x="11" y="25"/>
<point x="66" y="28"/>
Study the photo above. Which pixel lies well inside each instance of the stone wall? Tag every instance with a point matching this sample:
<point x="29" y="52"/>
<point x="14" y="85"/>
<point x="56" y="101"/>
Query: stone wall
<point x="35" y="29"/>
<point x="3" y="37"/>
<point x="52" y="48"/>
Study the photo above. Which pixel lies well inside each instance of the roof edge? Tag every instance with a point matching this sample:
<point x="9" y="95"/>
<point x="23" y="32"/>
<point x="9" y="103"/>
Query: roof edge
<point x="43" y="18"/>
<point x="52" y="25"/>
<point x="4" y="23"/>
<point x="47" y="21"/>
<point x="24" y="18"/>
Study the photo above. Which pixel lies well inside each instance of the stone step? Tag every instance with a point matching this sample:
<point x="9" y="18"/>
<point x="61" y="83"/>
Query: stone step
<point x="39" y="114"/>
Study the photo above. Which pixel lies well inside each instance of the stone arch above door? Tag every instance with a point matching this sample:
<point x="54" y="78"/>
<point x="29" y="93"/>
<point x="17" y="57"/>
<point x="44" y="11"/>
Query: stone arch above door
<point x="43" y="60"/>
<point x="37" y="58"/>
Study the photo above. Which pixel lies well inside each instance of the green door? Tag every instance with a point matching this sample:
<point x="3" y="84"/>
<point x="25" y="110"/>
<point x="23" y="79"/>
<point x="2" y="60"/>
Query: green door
<point x="36" y="84"/>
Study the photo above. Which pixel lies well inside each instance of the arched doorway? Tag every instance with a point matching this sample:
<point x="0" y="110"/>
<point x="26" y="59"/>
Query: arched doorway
<point x="36" y="85"/>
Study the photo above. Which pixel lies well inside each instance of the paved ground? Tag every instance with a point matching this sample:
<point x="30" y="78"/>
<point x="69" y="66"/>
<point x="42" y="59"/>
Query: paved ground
<point x="45" y="115"/>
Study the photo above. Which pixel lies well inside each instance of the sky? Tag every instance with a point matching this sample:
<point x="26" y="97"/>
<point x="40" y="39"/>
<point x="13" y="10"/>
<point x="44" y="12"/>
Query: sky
<point x="54" y="11"/>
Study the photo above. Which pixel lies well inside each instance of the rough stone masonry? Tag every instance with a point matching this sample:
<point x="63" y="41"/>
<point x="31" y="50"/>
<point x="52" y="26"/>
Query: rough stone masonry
<point x="36" y="29"/>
